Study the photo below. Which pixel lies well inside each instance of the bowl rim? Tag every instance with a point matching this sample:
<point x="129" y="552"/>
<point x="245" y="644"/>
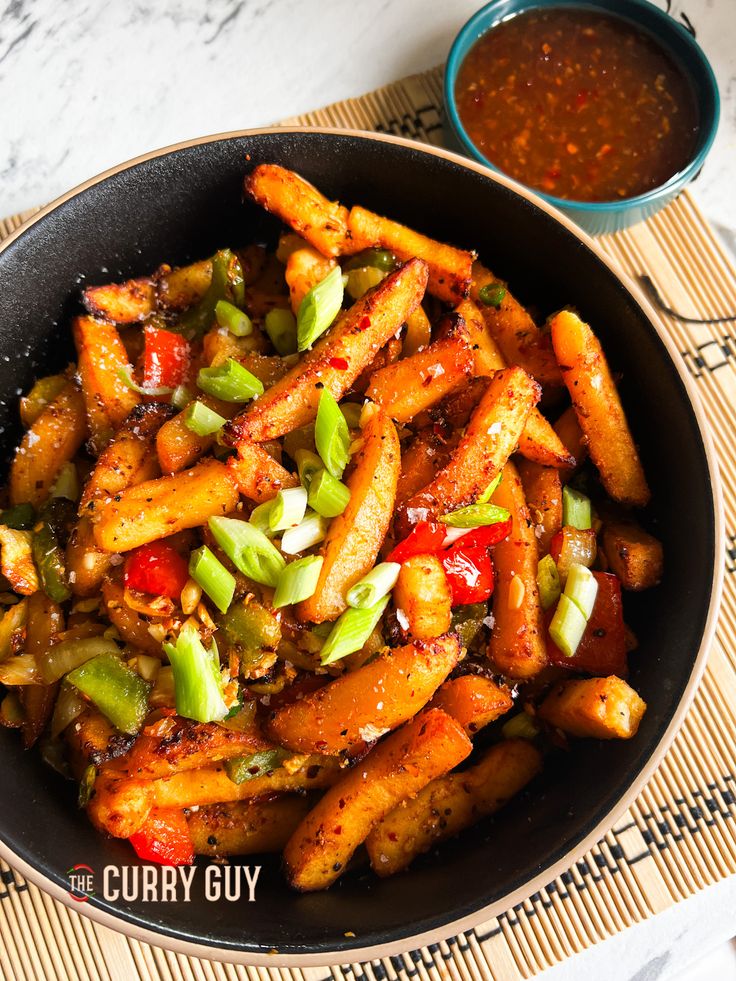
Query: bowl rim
<point x="482" y="21"/>
<point x="451" y="927"/>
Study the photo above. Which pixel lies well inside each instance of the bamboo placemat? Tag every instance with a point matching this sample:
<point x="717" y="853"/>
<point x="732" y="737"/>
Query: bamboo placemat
<point x="678" y="837"/>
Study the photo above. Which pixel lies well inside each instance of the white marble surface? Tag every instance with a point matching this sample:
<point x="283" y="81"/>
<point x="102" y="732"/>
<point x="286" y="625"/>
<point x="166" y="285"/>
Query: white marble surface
<point x="85" y="85"/>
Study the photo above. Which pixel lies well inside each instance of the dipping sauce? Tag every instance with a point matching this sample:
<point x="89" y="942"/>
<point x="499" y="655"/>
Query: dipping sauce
<point x="578" y="104"/>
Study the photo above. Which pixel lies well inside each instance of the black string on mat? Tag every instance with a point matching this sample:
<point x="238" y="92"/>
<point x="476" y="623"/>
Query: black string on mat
<point x="655" y="297"/>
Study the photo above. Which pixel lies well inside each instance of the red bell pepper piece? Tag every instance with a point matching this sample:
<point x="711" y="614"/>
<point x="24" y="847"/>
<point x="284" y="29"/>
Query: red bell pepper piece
<point x="602" y="650"/>
<point x="486" y="536"/>
<point x="469" y="572"/>
<point x="164" y="839"/>
<point x="156" y="568"/>
<point x="425" y="538"/>
<point x="165" y="358"/>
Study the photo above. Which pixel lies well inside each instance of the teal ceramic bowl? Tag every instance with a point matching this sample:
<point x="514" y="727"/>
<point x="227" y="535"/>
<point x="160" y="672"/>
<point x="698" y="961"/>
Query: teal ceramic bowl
<point x="599" y="217"/>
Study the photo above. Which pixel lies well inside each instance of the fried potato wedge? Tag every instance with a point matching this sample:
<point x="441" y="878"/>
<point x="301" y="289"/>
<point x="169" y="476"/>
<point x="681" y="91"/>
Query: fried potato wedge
<point x="159" y="508"/>
<point x="101" y="355"/>
<point x="450" y="804"/>
<point x="322" y="223"/>
<point x="423" y="598"/>
<point x="257" y="475"/>
<point x="571" y="435"/>
<point x="355" y="338"/>
<point x="246" y="827"/>
<point x="92" y="740"/>
<point x="420" y="461"/>
<point x="473" y="701"/>
<point x="414" y="384"/>
<point x="517" y="645"/>
<point x="490" y="438"/>
<point x="86" y="564"/>
<point x="179" y="447"/>
<point x="52" y="441"/>
<point x="354" y="537"/>
<point x="122" y="303"/>
<point x="519" y="338"/>
<point x="634" y="555"/>
<point x="398" y="768"/>
<point x="598" y="409"/>
<point x="373" y="699"/>
<point x="450" y="269"/>
<point x="543" y="493"/>
<point x="598" y="708"/>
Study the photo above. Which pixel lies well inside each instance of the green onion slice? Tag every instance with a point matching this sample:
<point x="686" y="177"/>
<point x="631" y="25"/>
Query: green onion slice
<point x="248" y="549"/>
<point x="327" y="495"/>
<point x="230" y="382"/>
<point x="490" y="489"/>
<point x="319" y="308"/>
<point x="181" y="397"/>
<point x="280" y="325"/>
<point x="260" y="517"/>
<point x="351" y="630"/>
<point x="331" y="434"/>
<point x="232" y="319"/>
<point x="298" y="581"/>
<point x="548" y="581"/>
<point x="576" y="509"/>
<point x="310" y="532"/>
<point x="582" y="588"/>
<point x="521" y="726"/>
<point x="197" y="677"/>
<point x="202" y="420"/>
<point x="126" y="377"/>
<point x="374" y="586"/>
<point x="308" y="464"/>
<point x="207" y="570"/>
<point x="475" y="516"/>
<point x="289" y="508"/>
<point x="492" y="294"/>
<point x="567" y="626"/>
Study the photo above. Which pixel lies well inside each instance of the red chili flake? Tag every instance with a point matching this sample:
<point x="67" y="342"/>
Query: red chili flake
<point x="339" y="363"/>
<point x="364" y="323"/>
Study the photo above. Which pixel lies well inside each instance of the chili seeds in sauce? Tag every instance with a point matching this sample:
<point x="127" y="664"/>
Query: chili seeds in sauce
<point x="578" y="104"/>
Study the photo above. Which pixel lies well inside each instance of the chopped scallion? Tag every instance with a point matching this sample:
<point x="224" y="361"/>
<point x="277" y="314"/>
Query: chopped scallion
<point x="232" y="319"/>
<point x="319" y="308"/>
<point x="202" y="420"/>
<point x="582" y="588"/>
<point x="350" y="631"/>
<point x="576" y="509"/>
<point x="327" y="495"/>
<point x="207" y="570"/>
<point x="331" y="434"/>
<point x="260" y="517"/>
<point x="248" y="549"/>
<point x="310" y="532"/>
<point x="567" y="626"/>
<point x="181" y="397"/>
<point x="280" y="325"/>
<point x="475" y="516"/>
<point x="298" y="581"/>
<point x="230" y="382"/>
<point x="548" y="581"/>
<point x="374" y="586"/>
<point x="490" y="489"/>
<point x="197" y="677"/>
<point x="289" y="508"/>
<point x="308" y="464"/>
<point x="521" y="726"/>
<point x="126" y="377"/>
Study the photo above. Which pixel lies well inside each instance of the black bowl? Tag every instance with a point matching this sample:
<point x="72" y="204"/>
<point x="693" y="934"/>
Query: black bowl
<point x="183" y="203"/>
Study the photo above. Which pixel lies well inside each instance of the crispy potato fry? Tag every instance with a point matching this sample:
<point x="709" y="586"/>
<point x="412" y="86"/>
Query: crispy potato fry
<point x="396" y="769"/>
<point x="130" y="625"/>
<point x="450" y="269"/>
<point x="473" y="701"/>
<point x="388" y="355"/>
<point x="92" y="740"/>
<point x="360" y="704"/>
<point x="598" y="409"/>
<point x="38" y="703"/>
<point x="543" y="493"/>
<point x="189" y="745"/>
<point x="598" y="708"/>
<point x="52" y="441"/>
<point x="246" y="827"/>
<point x="16" y="560"/>
<point x="122" y="303"/>
<point x="633" y="554"/>
<point x="305" y="268"/>
<point x="86" y="564"/>
<point x="450" y="804"/>
<point x="517" y="644"/>
<point x="423" y="596"/>
<point x="120" y="804"/>
<point x="258" y="476"/>
<point x="355" y="338"/>
<point x="354" y="538"/>
<point x="420" y="461"/>
<point x="490" y="438"/>
<point x="101" y="355"/>
<point x="414" y="384"/>
<point x="183" y="287"/>
<point x="571" y="435"/>
<point x="418" y="332"/>
<point x="179" y="447"/>
<point x="519" y="338"/>
<point x="129" y="458"/>
<point x="267" y="368"/>
<point x="300" y="205"/>
<point x="159" y="508"/>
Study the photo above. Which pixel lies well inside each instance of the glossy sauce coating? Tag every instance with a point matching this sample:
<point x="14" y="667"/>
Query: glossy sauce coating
<point x="577" y="104"/>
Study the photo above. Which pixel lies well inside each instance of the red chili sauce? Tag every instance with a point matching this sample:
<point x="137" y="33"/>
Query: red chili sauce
<point x="578" y="104"/>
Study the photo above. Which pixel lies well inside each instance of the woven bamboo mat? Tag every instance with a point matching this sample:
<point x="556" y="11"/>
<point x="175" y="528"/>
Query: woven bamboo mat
<point x="678" y="837"/>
